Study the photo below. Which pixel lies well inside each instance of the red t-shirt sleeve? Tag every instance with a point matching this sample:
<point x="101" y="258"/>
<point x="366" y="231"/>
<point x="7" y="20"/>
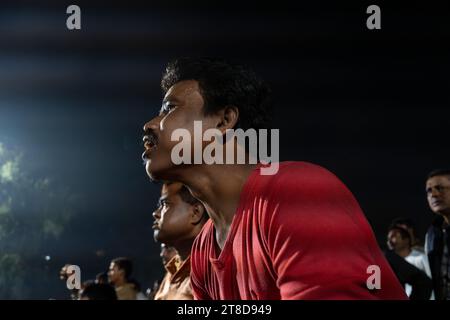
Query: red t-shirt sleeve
<point x="318" y="239"/>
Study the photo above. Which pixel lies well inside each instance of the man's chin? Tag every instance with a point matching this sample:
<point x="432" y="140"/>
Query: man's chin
<point x="159" y="239"/>
<point x="152" y="172"/>
<point x="440" y="210"/>
<point x="159" y="173"/>
<point x="443" y="211"/>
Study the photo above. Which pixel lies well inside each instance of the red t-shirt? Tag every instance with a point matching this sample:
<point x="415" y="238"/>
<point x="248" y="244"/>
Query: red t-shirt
<point x="298" y="234"/>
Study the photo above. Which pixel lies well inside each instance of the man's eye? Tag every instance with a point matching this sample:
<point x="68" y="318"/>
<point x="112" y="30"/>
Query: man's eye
<point x="163" y="205"/>
<point x="167" y="108"/>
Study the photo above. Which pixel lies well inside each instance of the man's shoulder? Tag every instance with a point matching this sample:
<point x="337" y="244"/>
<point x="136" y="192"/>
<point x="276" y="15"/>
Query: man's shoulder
<point x="298" y="169"/>
<point x="417" y="253"/>
<point x="298" y="175"/>
<point x="300" y="190"/>
<point x="416" y="257"/>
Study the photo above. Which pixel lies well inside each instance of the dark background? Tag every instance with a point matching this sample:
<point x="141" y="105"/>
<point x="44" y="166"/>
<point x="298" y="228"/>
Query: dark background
<point x="370" y="105"/>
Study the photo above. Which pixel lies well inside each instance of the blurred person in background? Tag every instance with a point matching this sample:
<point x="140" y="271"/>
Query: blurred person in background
<point x="399" y="241"/>
<point x="437" y="239"/>
<point x="101" y="278"/>
<point x="166" y="254"/>
<point x="92" y="290"/>
<point x="409" y="225"/>
<point x="119" y="274"/>
<point x="137" y="286"/>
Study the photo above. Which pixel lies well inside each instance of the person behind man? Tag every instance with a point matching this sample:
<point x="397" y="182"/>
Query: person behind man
<point x="179" y="218"/>
<point x="93" y="290"/>
<point x="409" y="225"/>
<point x="437" y="239"/>
<point x="289" y="230"/>
<point x="416" y="279"/>
<point x="119" y="275"/>
<point x="167" y="253"/>
<point x="101" y="278"/>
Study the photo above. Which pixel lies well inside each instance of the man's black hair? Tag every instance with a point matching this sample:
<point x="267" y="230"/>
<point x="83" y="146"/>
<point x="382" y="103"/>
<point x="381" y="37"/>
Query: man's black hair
<point x="102" y="277"/>
<point x="439" y="172"/>
<point x="98" y="291"/>
<point x="403" y="221"/>
<point x="223" y="84"/>
<point x="403" y="233"/>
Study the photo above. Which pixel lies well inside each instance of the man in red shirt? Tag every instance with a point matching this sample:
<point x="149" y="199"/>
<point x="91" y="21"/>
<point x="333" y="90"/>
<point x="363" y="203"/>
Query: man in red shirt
<point x="295" y="234"/>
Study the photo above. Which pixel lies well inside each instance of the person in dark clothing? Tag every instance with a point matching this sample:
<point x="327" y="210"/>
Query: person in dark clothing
<point x="408" y="274"/>
<point x="437" y="242"/>
<point x="101" y="278"/>
<point x="97" y="291"/>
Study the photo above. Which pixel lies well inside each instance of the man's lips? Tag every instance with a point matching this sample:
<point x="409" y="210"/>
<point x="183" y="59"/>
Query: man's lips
<point x="155" y="226"/>
<point x="436" y="203"/>
<point x="150" y="143"/>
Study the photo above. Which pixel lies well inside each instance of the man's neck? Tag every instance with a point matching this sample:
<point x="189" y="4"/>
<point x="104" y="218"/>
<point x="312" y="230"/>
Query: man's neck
<point x="219" y="188"/>
<point x="184" y="249"/>
<point x="120" y="283"/>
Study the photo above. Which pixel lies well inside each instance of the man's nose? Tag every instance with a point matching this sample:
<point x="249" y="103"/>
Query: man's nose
<point x="434" y="193"/>
<point x="157" y="214"/>
<point x="152" y="124"/>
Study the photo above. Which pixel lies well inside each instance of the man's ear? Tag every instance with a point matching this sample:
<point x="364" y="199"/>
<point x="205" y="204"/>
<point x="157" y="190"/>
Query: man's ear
<point x="198" y="210"/>
<point x="228" y="118"/>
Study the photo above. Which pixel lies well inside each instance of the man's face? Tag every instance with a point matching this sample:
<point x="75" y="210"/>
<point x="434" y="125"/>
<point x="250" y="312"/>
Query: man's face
<point x="181" y="106"/>
<point x="409" y="229"/>
<point x="438" y="194"/>
<point x="396" y="242"/>
<point x="173" y="217"/>
<point x="167" y="253"/>
<point x="114" y="273"/>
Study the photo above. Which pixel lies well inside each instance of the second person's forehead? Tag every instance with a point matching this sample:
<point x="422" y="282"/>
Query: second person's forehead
<point x="170" y="189"/>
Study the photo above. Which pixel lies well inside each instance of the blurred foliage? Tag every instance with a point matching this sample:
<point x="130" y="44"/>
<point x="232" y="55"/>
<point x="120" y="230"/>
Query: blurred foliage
<point x="33" y="210"/>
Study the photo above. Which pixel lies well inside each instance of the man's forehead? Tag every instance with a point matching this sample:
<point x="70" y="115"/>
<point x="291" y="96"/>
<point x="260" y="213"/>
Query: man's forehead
<point x="181" y="90"/>
<point x="436" y="180"/>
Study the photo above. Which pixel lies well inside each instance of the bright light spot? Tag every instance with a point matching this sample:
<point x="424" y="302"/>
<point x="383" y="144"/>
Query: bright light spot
<point x="47" y="258"/>
<point x="8" y="171"/>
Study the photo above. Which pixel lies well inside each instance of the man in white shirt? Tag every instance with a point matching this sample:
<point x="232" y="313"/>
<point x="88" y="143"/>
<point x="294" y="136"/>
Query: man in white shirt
<point x="399" y="240"/>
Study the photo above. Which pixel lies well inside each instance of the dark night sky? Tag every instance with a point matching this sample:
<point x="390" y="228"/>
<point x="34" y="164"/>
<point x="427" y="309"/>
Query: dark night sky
<point x="371" y="106"/>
